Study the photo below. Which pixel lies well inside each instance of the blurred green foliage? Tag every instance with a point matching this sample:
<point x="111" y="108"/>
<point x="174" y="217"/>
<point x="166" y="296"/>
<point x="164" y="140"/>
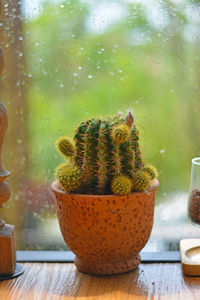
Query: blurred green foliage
<point x="77" y="72"/>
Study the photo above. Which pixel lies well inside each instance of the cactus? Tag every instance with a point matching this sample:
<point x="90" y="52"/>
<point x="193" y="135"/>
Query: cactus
<point x="141" y="181"/>
<point x="121" y="185"/>
<point x="69" y="177"/>
<point x="121" y="134"/>
<point x="151" y="171"/>
<point x="107" y="155"/>
<point x="65" y="146"/>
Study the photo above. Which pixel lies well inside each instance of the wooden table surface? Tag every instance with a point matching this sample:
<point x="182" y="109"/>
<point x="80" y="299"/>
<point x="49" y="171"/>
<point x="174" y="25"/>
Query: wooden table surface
<point x="62" y="281"/>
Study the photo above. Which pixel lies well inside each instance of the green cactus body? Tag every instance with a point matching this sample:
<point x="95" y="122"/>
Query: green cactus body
<point x="121" y="185"/>
<point x="92" y="150"/>
<point x="65" y="146"/>
<point x="102" y="159"/>
<point x="141" y="181"/>
<point x="138" y="163"/>
<point x="151" y="171"/>
<point x="69" y="177"/>
<point x="128" y="158"/>
<point x="115" y="156"/>
<point x="107" y="149"/>
<point x="86" y="157"/>
<point x="79" y="143"/>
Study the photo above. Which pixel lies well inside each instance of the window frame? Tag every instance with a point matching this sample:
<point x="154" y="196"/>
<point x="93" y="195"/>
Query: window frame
<point x="68" y="256"/>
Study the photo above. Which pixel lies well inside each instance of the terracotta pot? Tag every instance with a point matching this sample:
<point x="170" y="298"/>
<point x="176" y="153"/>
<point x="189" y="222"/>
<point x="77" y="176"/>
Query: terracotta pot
<point x="106" y="232"/>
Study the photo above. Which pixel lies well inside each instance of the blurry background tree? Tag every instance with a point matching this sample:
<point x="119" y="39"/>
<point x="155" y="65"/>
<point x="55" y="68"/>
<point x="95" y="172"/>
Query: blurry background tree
<point x="71" y="60"/>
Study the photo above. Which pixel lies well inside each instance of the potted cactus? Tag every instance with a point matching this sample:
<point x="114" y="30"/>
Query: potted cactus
<point x="105" y="195"/>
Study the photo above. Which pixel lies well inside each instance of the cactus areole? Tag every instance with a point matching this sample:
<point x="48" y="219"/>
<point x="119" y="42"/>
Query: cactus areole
<point x="104" y="158"/>
<point x="105" y="195"/>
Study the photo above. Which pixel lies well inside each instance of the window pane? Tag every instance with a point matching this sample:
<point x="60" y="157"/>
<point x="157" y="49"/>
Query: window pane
<point x="71" y="60"/>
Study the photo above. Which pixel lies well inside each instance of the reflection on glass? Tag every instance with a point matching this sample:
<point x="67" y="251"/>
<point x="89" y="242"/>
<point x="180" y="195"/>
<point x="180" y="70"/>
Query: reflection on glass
<point x="69" y="60"/>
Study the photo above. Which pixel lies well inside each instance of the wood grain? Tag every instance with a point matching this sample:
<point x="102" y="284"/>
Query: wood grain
<point x="55" y="281"/>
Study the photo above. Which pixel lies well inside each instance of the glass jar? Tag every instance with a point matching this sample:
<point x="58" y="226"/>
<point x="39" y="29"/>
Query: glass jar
<point x="194" y="192"/>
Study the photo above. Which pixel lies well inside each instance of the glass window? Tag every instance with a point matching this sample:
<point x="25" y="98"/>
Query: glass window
<point x="67" y="61"/>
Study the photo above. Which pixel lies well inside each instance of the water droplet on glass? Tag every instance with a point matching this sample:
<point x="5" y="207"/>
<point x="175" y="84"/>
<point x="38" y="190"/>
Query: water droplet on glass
<point x="19" y="141"/>
<point x="162" y="151"/>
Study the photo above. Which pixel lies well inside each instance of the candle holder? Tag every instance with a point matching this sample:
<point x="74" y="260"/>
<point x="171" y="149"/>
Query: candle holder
<point x="8" y="266"/>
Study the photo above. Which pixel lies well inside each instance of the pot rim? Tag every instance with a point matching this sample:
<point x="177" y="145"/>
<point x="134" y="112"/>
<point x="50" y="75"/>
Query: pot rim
<point x="55" y="188"/>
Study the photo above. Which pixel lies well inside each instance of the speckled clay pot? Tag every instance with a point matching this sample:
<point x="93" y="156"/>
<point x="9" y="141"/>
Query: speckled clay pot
<point x="106" y="232"/>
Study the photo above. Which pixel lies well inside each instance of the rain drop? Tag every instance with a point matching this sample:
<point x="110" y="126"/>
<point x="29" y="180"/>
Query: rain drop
<point x="162" y="151"/>
<point x="19" y="141"/>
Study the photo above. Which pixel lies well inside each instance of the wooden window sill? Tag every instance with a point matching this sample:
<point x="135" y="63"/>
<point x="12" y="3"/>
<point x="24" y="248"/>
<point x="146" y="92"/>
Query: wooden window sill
<point x="61" y="281"/>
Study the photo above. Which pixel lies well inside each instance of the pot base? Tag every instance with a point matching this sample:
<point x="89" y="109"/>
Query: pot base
<point x="108" y="268"/>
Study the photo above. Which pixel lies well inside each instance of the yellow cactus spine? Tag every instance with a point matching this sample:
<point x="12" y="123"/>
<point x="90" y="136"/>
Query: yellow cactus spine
<point x="121" y="134"/>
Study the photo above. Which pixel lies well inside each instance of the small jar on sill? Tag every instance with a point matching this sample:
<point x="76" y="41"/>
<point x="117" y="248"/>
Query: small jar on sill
<point x="194" y="192"/>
